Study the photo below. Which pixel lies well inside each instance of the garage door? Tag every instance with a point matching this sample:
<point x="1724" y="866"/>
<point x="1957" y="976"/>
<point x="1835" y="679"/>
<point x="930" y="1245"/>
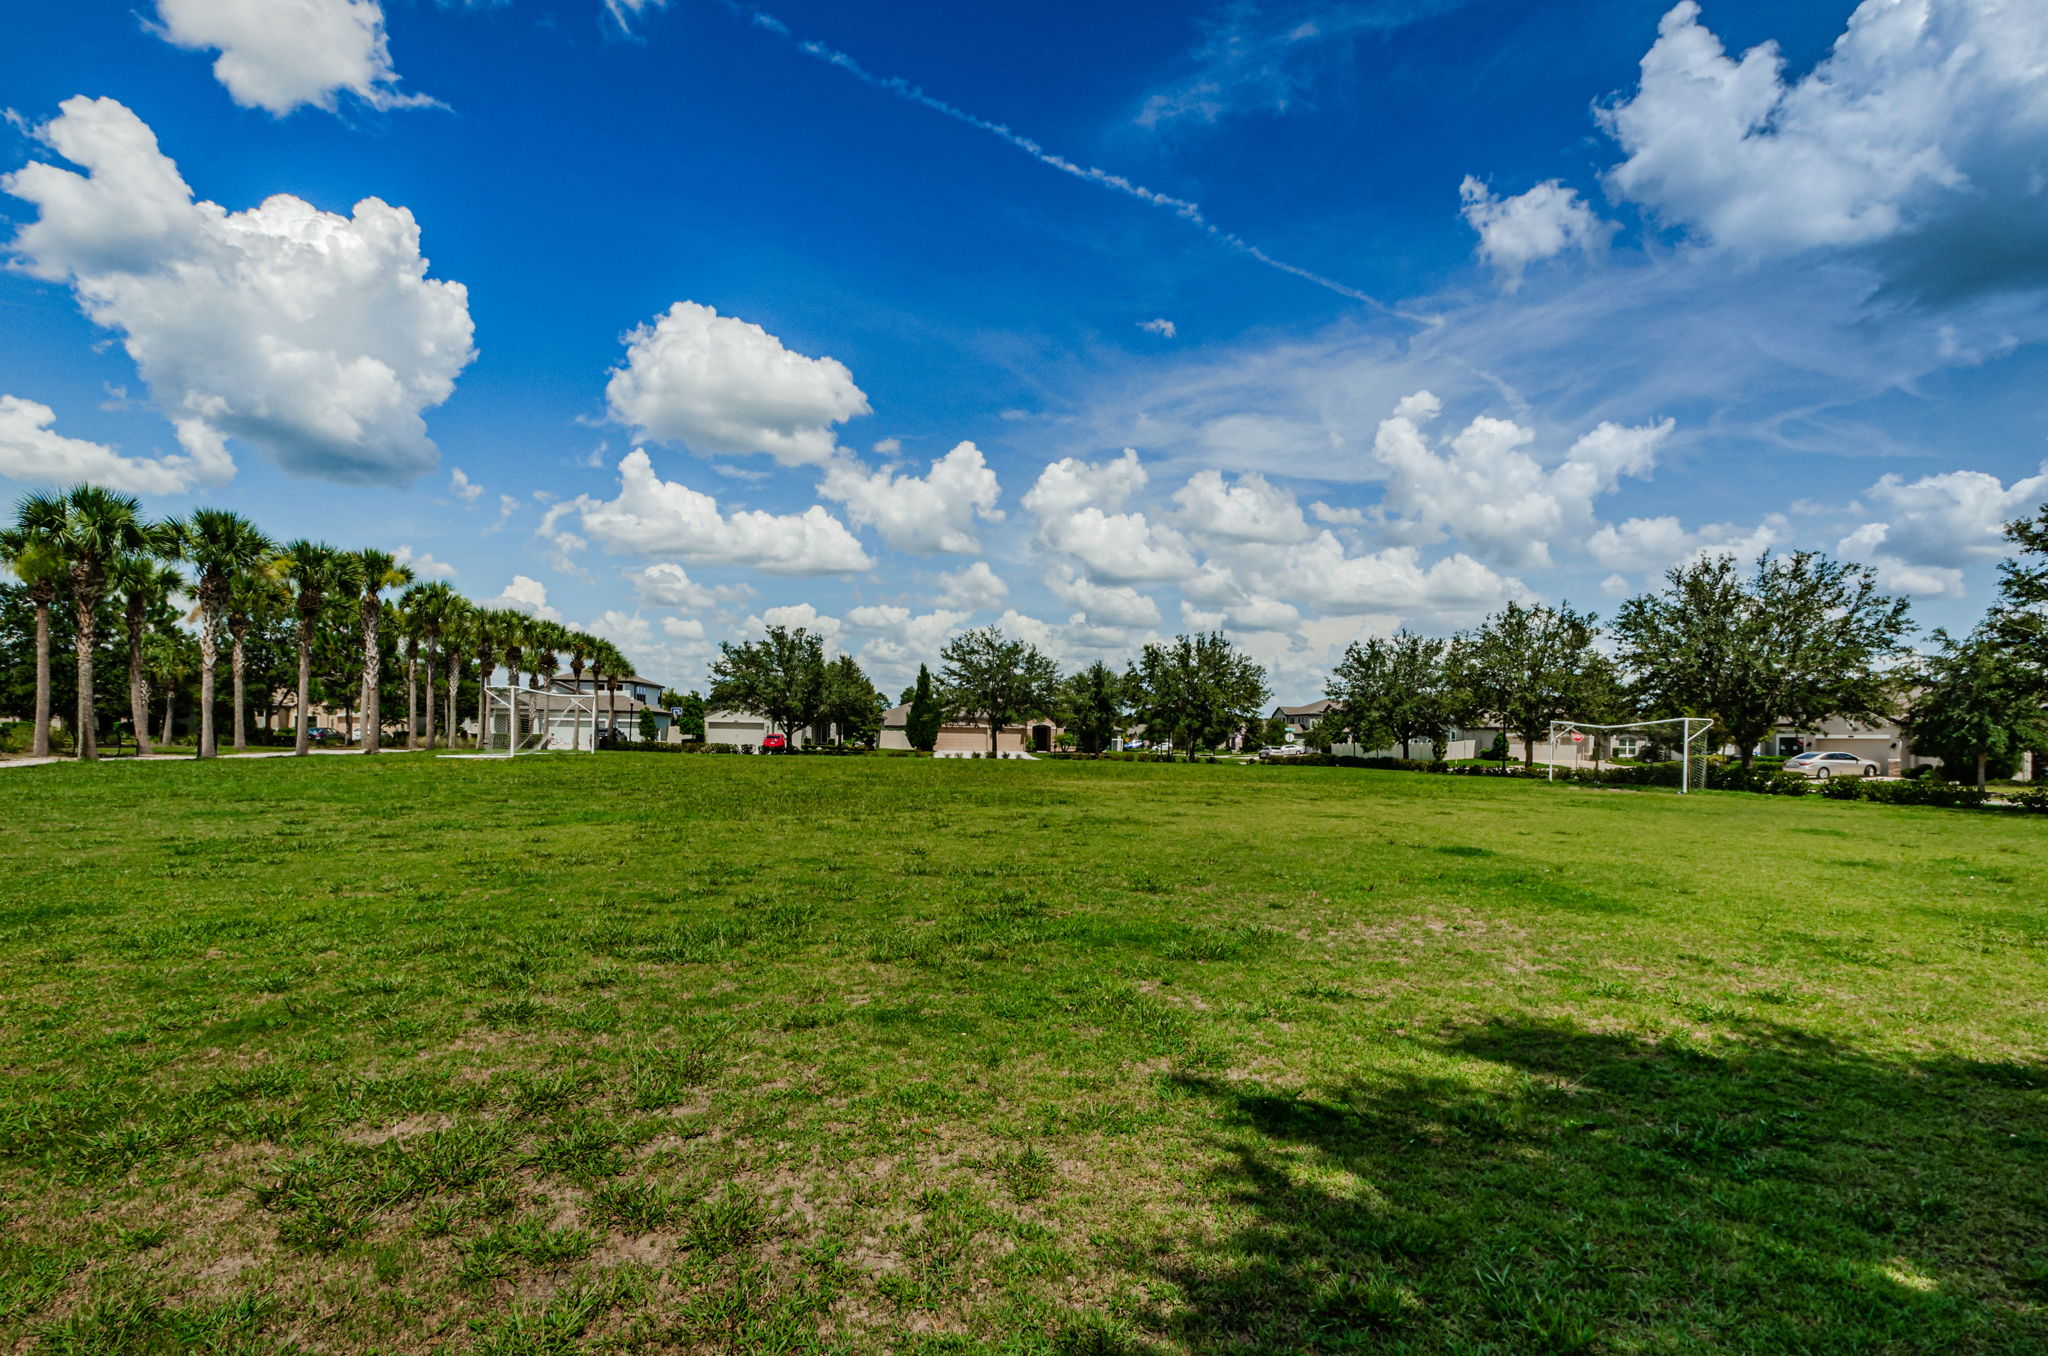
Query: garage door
<point x="732" y="732"/>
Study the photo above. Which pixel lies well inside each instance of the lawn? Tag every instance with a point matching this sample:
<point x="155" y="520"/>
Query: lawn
<point x="638" y="1053"/>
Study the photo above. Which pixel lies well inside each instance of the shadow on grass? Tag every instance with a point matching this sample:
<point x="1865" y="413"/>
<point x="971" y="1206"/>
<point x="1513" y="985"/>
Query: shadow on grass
<point x="1597" y="1192"/>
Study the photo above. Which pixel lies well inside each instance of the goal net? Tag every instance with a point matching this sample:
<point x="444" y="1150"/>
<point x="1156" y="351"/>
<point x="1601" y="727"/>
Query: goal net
<point x="517" y="722"/>
<point x="1576" y="744"/>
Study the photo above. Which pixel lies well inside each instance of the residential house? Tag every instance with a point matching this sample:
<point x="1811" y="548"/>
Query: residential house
<point x="746" y="730"/>
<point x="645" y="691"/>
<point x="1038" y="735"/>
<point x="1299" y="720"/>
<point x="1457" y="743"/>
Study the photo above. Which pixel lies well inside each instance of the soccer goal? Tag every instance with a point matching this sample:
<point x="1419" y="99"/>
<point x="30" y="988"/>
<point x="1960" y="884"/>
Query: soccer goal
<point x="1678" y="739"/>
<point x="517" y="722"/>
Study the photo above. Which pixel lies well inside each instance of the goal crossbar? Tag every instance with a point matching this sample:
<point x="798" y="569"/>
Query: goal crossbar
<point x="1690" y="729"/>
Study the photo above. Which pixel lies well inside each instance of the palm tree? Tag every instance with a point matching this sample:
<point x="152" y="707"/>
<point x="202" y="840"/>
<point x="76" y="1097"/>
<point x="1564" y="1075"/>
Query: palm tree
<point x="89" y="529"/>
<point x="313" y="568"/>
<point x="168" y="663"/>
<point x="40" y="569"/>
<point x="407" y="619"/>
<point x="373" y="571"/>
<point x="513" y="632"/>
<point x="257" y="591"/>
<point x="145" y="587"/>
<point x="430" y="604"/>
<point x="548" y="640"/>
<point x="222" y="547"/>
<point x="611" y="664"/>
<point x="482" y="634"/>
<point x="581" y="646"/>
<point x="456" y="626"/>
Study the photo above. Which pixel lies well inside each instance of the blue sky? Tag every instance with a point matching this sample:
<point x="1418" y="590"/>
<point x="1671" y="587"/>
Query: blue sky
<point x="848" y="317"/>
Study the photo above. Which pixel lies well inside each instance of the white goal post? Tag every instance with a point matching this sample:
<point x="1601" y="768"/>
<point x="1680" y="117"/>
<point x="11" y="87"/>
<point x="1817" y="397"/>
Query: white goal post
<point x="520" y="721"/>
<point x="1676" y="732"/>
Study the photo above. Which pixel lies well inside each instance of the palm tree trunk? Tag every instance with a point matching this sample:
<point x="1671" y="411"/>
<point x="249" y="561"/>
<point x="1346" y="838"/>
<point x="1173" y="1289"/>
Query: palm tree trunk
<point x="430" y="699"/>
<point x="454" y="682"/>
<point x="209" y="658"/>
<point x="483" y="696"/>
<point x="88" y="601"/>
<point x="138" y="693"/>
<point x="412" y="695"/>
<point x="303" y="744"/>
<point x="237" y="665"/>
<point x="373" y="673"/>
<point x="41" y="747"/>
<point x="1982" y="758"/>
<point x="170" y="710"/>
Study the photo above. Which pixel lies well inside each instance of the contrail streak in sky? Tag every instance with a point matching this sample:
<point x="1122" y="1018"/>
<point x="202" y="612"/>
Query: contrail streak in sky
<point x="1187" y="211"/>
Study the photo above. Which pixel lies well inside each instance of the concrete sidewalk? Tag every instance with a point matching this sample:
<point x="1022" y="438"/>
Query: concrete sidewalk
<point x="225" y="757"/>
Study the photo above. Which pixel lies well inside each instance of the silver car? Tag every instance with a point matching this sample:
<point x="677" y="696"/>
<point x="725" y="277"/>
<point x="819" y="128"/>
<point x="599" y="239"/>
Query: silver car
<point x="1831" y="765"/>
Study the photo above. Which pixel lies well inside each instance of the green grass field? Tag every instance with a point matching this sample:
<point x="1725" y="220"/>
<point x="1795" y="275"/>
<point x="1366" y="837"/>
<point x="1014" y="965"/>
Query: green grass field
<point x="756" y="1055"/>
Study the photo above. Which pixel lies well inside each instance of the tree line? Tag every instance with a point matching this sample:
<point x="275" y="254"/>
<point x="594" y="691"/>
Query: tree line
<point x="298" y="622"/>
<point x="1785" y="642"/>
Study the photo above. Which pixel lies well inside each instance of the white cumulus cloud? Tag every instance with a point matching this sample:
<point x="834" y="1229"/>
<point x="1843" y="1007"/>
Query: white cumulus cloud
<point x="669" y="585"/>
<point x="1070" y="500"/>
<point x="930" y="513"/>
<point x="316" y="337"/>
<point x="35" y="453"/>
<point x="1928" y="117"/>
<point x="1529" y="227"/>
<point x="278" y="55"/>
<point x="1654" y="545"/>
<point x="525" y="595"/>
<point x="423" y="563"/>
<point x="795" y="615"/>
<point x="1938" y="525"/>
<point x="721" y="385"/>
<point x="1250" y="510"/>
<point x="656" y="517"/>
<point x="1502" y="501"/>
<point x="973" y="588"/>
<point x="1102" y="604"/>
<point x="465" y="489"/>
<point x="898" y="640"/>
<point x="1070" y="484"/>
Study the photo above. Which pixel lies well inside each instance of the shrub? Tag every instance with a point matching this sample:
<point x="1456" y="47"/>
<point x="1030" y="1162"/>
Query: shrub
<point x="20" y="736"/>
<point x="2033" y="800"/>
<point x="1926" y="791"/>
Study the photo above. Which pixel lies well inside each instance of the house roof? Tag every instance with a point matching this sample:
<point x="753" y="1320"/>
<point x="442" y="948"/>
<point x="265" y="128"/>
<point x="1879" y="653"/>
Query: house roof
<point x="560" y="701"/>
<point x="565" y="676"/>
<point x="897" y="715"/>
<point x="1312" y="709"/>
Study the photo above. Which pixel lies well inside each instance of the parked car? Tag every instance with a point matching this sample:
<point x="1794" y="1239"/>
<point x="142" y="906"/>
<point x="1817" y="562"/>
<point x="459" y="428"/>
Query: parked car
<point x="323" y="734"/>
<point x="1831" y="765"/>
<point x="774" y="743"/>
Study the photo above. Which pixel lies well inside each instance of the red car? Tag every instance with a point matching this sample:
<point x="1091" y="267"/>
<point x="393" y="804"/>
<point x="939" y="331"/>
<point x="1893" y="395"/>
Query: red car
<point x="774" y="743"/>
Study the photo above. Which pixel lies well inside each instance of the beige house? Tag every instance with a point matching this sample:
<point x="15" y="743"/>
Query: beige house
<point x="746" y="730"/>
<point x="971" y="736"/>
